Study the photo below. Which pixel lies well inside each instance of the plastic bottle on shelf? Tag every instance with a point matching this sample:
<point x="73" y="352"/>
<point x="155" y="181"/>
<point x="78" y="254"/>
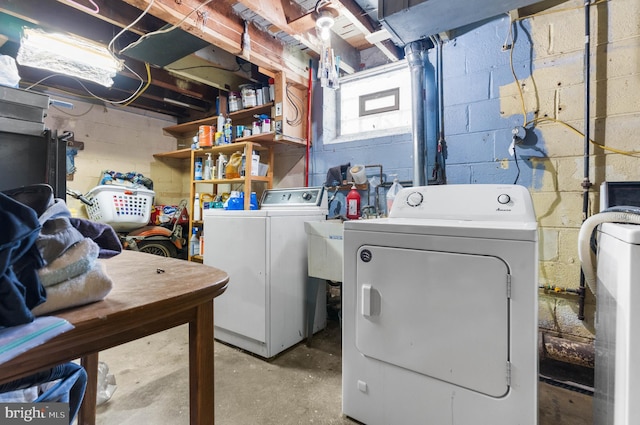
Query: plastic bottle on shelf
<point x="196" y="207"/>
<point x="272" y="89"/>
<point x="220" y="123"/>
<point x="208" y="167"/>
<point x="220" y="166"/>
<point x="392" y="192"/>
<point x="194" y="242"/>
<point x="353" y="203"/>
<point x="197" y="174"/>
<point x="227" y="130"/>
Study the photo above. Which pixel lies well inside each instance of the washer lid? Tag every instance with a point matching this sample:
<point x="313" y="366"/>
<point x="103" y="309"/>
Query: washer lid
<point x="444" y="315"/>
<point x="629" y="233"/>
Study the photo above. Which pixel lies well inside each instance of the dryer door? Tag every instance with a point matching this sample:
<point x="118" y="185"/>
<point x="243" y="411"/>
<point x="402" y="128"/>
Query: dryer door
<point x="441" y="314"/>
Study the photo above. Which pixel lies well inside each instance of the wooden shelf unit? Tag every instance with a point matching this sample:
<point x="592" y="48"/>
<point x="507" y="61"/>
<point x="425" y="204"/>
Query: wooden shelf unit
<point x="290" y="129"/>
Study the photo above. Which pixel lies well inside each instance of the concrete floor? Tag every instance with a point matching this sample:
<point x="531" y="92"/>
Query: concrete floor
<point x="300" y="386"/>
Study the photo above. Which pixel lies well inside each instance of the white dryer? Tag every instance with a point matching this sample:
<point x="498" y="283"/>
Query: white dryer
<point x="440" y="309"/>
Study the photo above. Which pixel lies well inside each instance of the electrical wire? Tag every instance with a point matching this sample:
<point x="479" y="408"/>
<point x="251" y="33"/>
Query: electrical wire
<point x="144" y="12"/>
<point x="320" y="3"/>
<point x="75" y="115"/>
<point x="162" y="31"/>
<point x="95" y="9"/>
<point x="515" y="157"/>
<point x="535" y="121"/>
<point x="513" y="71"/>
<point x="139" y="92"/>
<point x="292" y="98"/>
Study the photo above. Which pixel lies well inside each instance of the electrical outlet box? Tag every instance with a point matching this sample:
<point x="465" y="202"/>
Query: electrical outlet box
<point x="279" y="109"/>
<point x="278" y="126"/>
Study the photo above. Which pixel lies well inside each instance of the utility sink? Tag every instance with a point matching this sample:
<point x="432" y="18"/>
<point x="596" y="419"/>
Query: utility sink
<point x="324" y="249"/>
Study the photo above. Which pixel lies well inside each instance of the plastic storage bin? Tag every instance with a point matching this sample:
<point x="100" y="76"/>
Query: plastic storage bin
<point x="123" y="208"/>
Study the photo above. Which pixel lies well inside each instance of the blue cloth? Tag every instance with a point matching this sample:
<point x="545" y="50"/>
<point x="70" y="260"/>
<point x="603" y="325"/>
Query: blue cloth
<point x="20" y="287"/>
<point x="102" y="234"/>
<point x="70" y="386"/>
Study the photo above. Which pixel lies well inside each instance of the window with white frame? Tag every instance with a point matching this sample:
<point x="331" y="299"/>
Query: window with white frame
<point x="374" y="103"/>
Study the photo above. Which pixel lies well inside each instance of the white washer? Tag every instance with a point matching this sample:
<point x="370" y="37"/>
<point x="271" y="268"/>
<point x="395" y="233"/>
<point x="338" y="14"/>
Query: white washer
<point x="440" y="309"/>
<point x="265" y="254"/>
<point x="617" y="344"/>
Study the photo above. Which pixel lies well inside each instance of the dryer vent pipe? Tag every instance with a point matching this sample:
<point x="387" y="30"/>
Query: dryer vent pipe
<point x="415" y="54"/>
<point x="586" y="255"/>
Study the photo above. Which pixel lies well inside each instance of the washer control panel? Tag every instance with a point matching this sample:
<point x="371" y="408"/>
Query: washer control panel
<point x="300" y="197"/>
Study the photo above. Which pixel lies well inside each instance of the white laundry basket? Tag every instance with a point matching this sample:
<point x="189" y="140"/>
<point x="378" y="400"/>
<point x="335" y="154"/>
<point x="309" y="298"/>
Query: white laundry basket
<point x="121" y="207"/>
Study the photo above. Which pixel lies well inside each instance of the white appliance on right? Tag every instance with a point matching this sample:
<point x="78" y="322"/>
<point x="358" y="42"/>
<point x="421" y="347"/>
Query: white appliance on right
<point x="617" y="344"/>
<point x="440" y="309"/>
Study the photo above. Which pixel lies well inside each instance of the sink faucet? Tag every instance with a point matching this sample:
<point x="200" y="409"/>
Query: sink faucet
<point x="369" y="211"/>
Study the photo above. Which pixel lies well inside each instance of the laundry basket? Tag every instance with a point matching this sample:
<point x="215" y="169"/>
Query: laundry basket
<point x="121" y="207"/>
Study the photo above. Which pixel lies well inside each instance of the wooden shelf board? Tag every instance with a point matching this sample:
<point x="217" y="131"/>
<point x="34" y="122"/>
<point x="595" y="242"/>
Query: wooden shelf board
<point x="191" y="128"/>
<point x="179" y="154"/>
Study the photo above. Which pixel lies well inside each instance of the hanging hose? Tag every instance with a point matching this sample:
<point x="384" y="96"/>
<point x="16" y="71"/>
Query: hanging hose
<point x="585" y="253"/>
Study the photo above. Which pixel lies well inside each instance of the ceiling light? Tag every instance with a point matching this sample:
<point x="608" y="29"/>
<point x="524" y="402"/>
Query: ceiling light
<point x="324" y="22"/>
<point x="68" y="55"/>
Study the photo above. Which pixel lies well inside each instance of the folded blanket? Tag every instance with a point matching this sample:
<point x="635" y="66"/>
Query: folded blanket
<point x="81" y="290"/>
<point x="77" y="260"/>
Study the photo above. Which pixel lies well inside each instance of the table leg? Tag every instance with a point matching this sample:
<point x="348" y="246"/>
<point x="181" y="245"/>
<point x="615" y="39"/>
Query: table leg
<point x="87" y="412"/>
<point x="201" y="386"/>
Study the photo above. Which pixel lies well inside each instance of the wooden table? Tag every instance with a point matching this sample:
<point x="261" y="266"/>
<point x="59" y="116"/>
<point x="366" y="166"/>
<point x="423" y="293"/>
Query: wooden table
<point x="150" y="294"/>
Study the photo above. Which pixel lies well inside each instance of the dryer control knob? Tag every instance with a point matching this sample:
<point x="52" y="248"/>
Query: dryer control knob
<point x="306" y="196"/>
<point x="504" y="198"/>
<point x="414" y="199"/>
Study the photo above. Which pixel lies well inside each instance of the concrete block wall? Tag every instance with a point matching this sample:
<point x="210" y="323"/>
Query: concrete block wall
<point x="483" y="104"/>
<point x="119" y="139"/>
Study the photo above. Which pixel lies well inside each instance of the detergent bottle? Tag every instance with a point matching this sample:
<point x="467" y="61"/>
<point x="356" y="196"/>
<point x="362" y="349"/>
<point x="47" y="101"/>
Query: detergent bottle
<point x="196" y="208"/>
<point x="208" y="167"/>
<point x="353" y="203"/>
<point x="194" y="242"/>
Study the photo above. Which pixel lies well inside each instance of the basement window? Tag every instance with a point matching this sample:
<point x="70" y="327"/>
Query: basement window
<point x="373" y="103"/>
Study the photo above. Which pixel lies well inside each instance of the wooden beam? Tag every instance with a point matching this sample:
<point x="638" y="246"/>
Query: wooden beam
<point x="354" y="13"/>
<point x="217" y="24"/>
<point x="302" y="29"/>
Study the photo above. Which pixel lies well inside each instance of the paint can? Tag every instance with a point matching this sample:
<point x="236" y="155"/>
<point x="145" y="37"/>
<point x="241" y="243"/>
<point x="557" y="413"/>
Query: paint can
<point x="205" y="136"/>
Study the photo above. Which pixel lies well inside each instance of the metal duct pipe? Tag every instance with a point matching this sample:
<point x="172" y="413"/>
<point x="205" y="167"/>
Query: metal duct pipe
<point x="415" y="52"/>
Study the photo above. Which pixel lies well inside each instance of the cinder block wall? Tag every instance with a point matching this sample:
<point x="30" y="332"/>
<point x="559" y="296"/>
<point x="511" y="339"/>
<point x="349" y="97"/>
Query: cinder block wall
<point x="483" y="104"/>
<point x="119" y="139"/>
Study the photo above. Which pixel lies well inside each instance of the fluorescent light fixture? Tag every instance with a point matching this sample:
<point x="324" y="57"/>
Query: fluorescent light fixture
<point x="68" y="55"/>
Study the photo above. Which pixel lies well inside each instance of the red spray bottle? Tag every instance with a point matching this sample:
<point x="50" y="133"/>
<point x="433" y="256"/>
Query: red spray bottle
<point x="353" y="203"/>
